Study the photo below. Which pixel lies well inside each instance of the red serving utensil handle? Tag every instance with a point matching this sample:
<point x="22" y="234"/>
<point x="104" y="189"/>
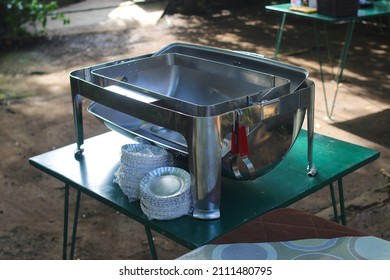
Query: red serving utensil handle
<point x="243" y="147"/>
<point x="239" y="142"/>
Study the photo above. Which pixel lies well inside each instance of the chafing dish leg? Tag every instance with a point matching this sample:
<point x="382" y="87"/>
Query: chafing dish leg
<point x="78" y="123"/>
<point x="205" y="149"/>
<point x="312" y="170"/>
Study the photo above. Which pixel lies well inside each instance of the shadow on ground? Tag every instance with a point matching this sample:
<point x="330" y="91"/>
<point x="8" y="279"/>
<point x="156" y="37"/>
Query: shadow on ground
<point x="374" y="127"/>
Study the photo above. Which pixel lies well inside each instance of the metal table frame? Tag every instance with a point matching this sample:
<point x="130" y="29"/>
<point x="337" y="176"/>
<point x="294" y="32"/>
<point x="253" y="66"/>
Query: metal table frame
<point x="315" y="17"/>
<point x="241" y="201"/>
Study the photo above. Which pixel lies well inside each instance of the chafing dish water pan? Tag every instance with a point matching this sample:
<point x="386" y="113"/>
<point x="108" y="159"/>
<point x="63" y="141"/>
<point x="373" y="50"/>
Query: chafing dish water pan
<point x="230" y="113"/>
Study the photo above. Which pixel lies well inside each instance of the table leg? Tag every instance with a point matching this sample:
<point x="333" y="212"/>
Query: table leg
<point x="151" y="243"/>
<point x="334" y="204"/>
<point x="328" y="48"/>
<point x="279" y="36"/>
<point x="75" y="223"/>
<point x="341" y="201"/>
<point x="319" y="58"/>
<point x="342" y="61"/>
<point x="66" y="224"/>
<point x="342" y="206"/>
<point x="66" y="212"/>
<point x="344" y="53"/>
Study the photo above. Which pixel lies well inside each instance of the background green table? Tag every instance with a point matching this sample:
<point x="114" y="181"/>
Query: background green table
<point x="365" y="13"/>
<point x="93" y="173"/>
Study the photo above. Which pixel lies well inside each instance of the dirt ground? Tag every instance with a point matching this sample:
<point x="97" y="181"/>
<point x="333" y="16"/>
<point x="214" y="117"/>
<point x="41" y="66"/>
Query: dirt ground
<point x="36" y="116"/>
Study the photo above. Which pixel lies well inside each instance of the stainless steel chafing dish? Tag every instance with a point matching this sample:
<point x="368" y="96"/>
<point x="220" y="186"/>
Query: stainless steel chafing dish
<point x="229" y="113"/>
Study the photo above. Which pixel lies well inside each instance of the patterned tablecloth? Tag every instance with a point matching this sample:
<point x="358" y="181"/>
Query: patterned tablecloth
<point x="343" y="248"/>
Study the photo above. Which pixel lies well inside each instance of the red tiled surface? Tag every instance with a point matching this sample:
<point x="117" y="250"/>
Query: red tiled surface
<point x="283" y="225"/>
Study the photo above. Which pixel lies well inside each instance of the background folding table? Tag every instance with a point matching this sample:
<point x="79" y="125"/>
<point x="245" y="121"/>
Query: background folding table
<point x="365" y="13"/>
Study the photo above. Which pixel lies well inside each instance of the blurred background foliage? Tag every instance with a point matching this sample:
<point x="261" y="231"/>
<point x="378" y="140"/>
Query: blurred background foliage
<point x="21" y="21"/>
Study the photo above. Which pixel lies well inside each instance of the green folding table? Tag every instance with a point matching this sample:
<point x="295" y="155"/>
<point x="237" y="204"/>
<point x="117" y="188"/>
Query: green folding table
<point x="241" y="201"/>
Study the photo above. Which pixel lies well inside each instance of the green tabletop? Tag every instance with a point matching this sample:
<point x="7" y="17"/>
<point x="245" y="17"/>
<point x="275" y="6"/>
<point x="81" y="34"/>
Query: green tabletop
<point x="240" y="201"/>
<point x="362" y="13"/>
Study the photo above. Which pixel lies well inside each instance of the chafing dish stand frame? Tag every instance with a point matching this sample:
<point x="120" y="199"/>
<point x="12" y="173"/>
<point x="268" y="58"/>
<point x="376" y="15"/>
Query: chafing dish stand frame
<point x="206" y="202"/>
